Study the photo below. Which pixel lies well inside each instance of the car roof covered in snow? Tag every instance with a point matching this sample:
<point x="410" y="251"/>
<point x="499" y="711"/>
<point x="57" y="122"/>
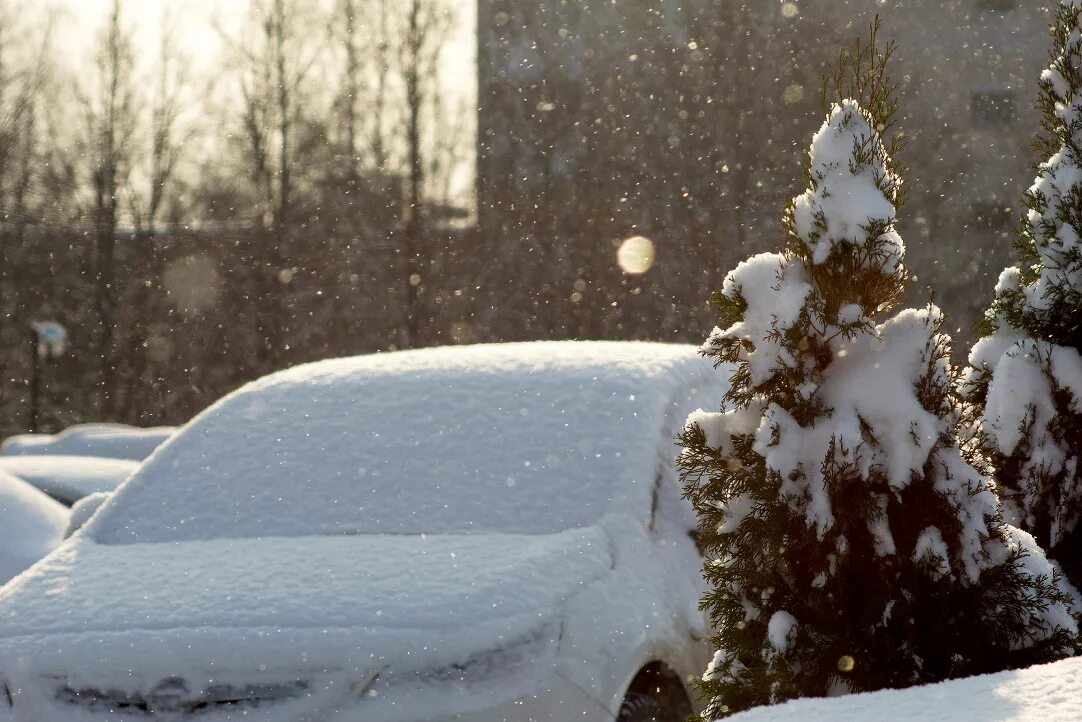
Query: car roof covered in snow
<point x="69" y="478"/>
<point x="527" y="438"/>
<point x="31" y="525"/>
<point x="112" y="441"/>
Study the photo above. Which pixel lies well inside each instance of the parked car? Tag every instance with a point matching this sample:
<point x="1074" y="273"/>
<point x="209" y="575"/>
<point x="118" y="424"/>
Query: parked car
<point x="478" y="533"/>
<point x="69" y="478"/>
<point x="31" y="526"/>
<point x="109" y="441"/>
<point x="82" y="510"/>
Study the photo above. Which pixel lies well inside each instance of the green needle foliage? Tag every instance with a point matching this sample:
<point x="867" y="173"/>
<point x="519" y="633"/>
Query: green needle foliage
<point x="1025" y="381"/>
<point x="851" y="543"/>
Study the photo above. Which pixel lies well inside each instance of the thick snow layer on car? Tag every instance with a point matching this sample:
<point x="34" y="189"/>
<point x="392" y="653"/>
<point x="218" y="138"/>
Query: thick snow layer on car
<point x="368" y="581"/>
<point x="1038" y="694"/>
<point x="111" y="441"/>
<point x="472" y="526"/>
<point x="326" y="611"/>
<point x="456" y="440"/>
<point x="31" y="525"/>
<point x="69" y="478"/>
<point x="83" y="509"/>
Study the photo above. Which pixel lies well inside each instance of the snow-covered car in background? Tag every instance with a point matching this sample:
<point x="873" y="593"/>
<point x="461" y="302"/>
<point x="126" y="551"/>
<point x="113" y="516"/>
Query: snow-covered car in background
<point x="69" y="478"/>
<point x="31" y="526"/>
<point x="110" y="441"/>
<point x="478" y="533"/>
<point x="82" y="510"/>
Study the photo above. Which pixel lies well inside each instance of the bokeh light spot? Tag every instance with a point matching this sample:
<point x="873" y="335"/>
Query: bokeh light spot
<point x="636" y="255"/>
<point x="192" y="283"/>
<point x="461" y="332"/>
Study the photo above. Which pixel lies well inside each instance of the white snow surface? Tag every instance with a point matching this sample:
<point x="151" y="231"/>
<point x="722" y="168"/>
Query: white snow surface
<point x="1020" y="401"/>
<point x="111" y="441"/>
<point x="454" y="440"/>
<point x="393" y="582"/>
<point x="422" y="612"/>
<point x="82" y="510"/>
<point x="987" y="352"/>
<point x="870" y="381"/>
<point x="1058" y="178"/>
<point x="31" y="525"/>
<point x="775" y="289"/>
<point x="846" y="197"/>
<point x="1037" y="694"/>
<point x="1037" y="566"/>
<point x="1020" y="390"/>
<point x="780" y="630"/>
<point x="69" y="478"/>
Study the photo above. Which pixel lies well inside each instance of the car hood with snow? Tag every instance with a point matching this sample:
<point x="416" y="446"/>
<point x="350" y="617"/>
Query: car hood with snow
<point x="357" y="605"/>
<point x="391" y="582"/>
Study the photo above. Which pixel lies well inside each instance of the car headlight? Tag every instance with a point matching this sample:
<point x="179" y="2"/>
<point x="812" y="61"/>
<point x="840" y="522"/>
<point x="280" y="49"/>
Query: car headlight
<point x="531" y="650"/>
<point x="529" y="654"/>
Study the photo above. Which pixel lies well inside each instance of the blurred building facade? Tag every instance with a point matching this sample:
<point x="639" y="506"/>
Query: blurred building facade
<point x="688" y="122"/>
<point x="600" y="120"/>
<point x="970" y="69"/>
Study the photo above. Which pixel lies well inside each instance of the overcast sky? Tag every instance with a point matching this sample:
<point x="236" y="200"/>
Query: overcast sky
<point x="195" y="22"/>
<point x="198" y="24"/>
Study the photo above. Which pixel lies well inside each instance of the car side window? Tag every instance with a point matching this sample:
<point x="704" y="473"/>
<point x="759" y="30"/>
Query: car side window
<point x="667" y="502"/>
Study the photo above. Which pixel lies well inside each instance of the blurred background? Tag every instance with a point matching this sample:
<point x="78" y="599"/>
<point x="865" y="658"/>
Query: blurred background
<point x="203" y="192"/>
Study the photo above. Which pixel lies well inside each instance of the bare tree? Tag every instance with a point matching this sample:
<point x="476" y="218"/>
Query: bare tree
<point x="110" y="108"/>
<point x="421" y="38"/>
<point x="273" y="65"/>
<point x="25" y="71"/>
<point x="167" y="136"/>
<point x="363" y="28"/>
<point x="22" y="81"/>
<point x="352" y="82"/>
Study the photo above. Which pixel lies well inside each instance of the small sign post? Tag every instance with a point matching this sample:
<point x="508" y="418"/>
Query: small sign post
<point x="49" y="341"/>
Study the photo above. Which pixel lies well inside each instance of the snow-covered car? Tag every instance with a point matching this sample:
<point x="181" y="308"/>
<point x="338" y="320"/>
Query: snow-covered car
<point x="69" y="478"/>
<point x="82" y="510"/>
<point x="478" y="533"/>
<point x="31" y="525"/>
<point x="110" y="441"/>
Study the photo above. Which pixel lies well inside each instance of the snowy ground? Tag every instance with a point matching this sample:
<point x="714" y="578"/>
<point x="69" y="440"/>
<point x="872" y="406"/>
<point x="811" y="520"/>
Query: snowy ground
<point x="1038" y="694"/>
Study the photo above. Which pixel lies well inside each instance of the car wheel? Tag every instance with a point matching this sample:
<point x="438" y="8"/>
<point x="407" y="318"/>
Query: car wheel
<point x="639" y="707"/>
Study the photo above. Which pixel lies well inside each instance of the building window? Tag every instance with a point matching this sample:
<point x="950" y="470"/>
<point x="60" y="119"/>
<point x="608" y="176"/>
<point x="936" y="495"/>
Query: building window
<point x="996" y="6"/>
<point x="993" y="108"/>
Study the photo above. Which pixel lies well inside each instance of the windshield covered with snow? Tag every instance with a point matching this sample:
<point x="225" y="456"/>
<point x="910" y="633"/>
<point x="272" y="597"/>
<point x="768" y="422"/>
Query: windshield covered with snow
<point x="399" y="445"/>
